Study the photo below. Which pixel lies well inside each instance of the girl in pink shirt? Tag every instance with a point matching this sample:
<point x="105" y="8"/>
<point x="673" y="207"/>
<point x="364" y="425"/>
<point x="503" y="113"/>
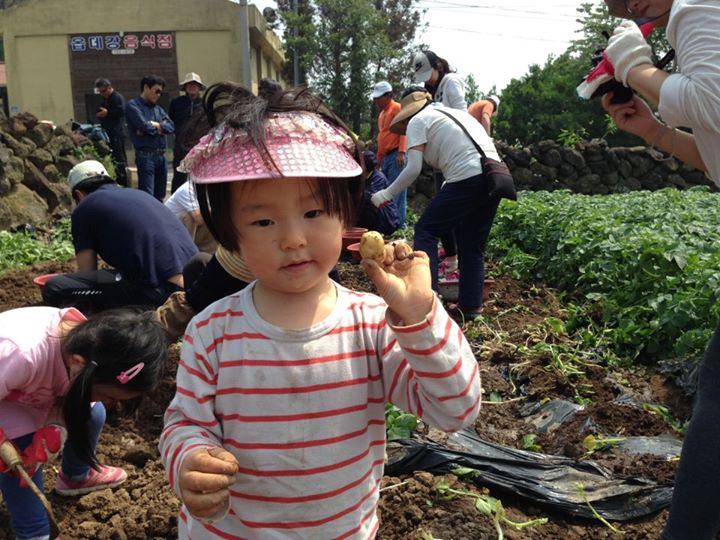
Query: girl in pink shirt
<point x="56" y="365"/>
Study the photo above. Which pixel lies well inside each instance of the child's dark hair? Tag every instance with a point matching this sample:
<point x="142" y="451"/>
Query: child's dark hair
<point x="111" y="342"/>
<point x="241" y="109"/>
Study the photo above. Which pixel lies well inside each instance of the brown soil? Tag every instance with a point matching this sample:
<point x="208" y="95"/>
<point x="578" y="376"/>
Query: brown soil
<point x="145" y="507"/>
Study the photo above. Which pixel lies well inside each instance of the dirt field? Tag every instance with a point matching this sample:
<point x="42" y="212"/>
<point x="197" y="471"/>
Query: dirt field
<point x="145" y="508"/>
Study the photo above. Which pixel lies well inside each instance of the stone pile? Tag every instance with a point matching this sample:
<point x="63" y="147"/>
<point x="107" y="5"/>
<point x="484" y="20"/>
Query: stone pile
<point x="35" y="158"/>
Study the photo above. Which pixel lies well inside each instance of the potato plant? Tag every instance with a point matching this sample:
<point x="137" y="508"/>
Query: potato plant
<point x="644" y="267"/>
<point x="23" y="248"/>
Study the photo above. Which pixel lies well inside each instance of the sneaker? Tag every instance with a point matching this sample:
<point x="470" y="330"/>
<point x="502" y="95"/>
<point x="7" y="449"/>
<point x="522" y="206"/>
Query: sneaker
<point x="448" y="271"/>
<point x="107" y="477"/>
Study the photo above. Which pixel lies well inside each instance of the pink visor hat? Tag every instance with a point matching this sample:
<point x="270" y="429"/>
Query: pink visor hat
<point x="301" y="144"/>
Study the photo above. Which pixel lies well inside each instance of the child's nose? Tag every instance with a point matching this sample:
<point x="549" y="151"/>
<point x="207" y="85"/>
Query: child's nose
<point x="293" y="236"/>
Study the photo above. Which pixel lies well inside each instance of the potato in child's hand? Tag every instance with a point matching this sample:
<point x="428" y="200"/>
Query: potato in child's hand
<point x="372" y="246"/>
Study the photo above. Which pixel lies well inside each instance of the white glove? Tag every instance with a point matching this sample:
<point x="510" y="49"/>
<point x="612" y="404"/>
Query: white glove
<point x="627" y="49"/>
<point x="381" y="198"/>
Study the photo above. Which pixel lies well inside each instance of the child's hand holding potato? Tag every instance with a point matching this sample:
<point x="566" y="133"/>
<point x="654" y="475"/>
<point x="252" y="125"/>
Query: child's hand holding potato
<point x="401" y="276"/>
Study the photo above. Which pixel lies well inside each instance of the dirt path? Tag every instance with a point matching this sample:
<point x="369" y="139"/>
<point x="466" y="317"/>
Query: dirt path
<point x="145" y="507"/>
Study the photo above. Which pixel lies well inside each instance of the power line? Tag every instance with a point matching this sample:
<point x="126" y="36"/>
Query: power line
<point x="509" y="36"/>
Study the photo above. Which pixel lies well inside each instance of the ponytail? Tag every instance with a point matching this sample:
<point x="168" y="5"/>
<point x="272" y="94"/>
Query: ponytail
<point x="111" y="342"/>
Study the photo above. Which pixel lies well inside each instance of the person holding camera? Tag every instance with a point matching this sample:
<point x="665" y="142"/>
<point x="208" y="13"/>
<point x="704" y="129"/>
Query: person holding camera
<point x="689" y="98"/>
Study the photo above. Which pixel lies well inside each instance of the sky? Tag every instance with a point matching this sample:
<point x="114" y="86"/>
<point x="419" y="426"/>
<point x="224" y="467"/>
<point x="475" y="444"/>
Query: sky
<point x="495" y="40"/>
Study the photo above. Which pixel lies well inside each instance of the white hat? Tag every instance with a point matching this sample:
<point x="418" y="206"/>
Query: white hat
<point x="191" y="77"/>
<point x="422" y="68"/>
<point x="496" y="101"/>
<point x="87" y="170"/>
<point x="380" y="89"/>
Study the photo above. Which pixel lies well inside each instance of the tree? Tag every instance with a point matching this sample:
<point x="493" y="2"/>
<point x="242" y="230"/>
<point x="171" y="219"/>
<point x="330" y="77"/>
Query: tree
<point x="597" y="24"/>
<point x="344" y="46"/>
<point x="543" y="103"/>
<point x="472" y="92"/>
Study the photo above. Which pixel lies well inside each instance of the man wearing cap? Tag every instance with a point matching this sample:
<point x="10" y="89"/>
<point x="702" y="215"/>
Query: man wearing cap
<point x="181" y="110"/>
<point x="149" y="124"/>
<point x="110" y="114"/>
<point x="483" y="110"/>
<point x="142" y="241"/>
<point x="391" y="146"/>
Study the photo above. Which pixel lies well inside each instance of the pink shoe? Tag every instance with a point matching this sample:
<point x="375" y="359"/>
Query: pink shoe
<point x="107" y="477"/>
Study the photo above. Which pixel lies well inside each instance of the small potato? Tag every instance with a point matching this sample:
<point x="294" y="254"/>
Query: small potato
<point x="372" y="246"/>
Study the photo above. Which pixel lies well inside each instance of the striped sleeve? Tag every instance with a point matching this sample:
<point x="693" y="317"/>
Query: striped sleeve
<point x="430" y="371"/>
<point x="190" y="421"/>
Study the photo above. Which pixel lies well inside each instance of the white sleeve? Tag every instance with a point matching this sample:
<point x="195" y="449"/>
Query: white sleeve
<point x="691" y="98"/>
<point x="454" y="94"/>
<point x="409" y="174"/>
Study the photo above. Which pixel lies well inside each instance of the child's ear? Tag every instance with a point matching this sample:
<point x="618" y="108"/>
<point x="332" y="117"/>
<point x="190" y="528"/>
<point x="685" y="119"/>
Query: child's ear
<point x="75" y="364"/>
<point x="77" y="360"/>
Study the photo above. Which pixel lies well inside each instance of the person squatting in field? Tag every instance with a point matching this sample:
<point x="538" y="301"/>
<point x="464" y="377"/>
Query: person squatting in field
<point x="689" y="98"/>
<point x="277" y="427"/>
<point x="49" y="354"/>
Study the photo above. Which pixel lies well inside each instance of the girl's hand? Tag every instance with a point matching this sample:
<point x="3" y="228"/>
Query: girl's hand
<point x="403" y="281"/>
<point x="205" y="478"/>
<point x="633" y="116"/>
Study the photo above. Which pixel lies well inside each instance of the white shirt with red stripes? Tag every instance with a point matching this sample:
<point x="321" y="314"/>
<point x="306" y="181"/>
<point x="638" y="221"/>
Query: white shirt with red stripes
<point x="303" y="410"/>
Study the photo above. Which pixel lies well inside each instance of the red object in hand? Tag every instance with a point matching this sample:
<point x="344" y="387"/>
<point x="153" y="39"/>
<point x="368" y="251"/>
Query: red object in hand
<point x="46" y="444"/>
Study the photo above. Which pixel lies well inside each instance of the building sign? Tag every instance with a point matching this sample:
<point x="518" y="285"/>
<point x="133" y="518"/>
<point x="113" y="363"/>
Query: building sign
<point x="124" y="58"/>
<point x="121" y="43"/>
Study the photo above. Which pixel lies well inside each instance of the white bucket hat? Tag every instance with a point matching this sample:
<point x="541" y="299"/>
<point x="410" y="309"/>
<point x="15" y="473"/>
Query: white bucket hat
<point x="191" y="77"/>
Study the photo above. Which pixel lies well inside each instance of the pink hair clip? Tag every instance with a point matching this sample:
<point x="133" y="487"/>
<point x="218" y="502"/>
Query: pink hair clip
<point x="126" y="376"/>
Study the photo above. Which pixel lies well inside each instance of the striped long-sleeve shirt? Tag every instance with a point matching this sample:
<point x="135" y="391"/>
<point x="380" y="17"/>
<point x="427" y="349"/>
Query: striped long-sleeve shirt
<point x="303" y="410"/>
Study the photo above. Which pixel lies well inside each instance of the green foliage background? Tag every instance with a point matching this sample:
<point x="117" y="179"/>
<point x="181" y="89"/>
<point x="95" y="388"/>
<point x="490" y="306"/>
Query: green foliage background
<point x="644" y="266"/>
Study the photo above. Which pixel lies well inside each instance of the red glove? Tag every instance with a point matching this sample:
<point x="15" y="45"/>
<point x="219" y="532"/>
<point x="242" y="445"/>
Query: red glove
<point x="46" y="444"/>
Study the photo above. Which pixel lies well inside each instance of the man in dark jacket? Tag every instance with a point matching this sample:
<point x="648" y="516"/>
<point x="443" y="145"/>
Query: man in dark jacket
<point x="148" y="124"/>
<point x="111" y="115"/>
<point x="181" y="110"/>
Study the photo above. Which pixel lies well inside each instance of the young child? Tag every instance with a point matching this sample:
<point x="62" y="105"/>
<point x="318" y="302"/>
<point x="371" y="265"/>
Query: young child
<point x="49" y="355"/>
<point x="277" y="428"/>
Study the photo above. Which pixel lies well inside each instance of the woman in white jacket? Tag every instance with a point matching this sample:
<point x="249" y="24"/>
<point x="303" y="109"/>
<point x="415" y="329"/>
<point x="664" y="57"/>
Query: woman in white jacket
<point x="463" y="204"/>
<point x="447" y="88"/>
<point x="689" y="98"/>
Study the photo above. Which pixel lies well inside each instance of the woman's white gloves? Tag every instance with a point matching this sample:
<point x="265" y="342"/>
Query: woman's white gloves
<point x="627" y="49"/>
<point x="381" y="198"/>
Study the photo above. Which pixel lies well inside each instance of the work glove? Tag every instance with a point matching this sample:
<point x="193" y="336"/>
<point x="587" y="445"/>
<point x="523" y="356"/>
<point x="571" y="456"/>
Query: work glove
<point x="381" y="198"/>
<point x="627" y="49"/>
<point x="47" y="443"/>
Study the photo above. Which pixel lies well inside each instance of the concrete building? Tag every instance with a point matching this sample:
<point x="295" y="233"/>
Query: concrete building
<point x="55" y="49"/>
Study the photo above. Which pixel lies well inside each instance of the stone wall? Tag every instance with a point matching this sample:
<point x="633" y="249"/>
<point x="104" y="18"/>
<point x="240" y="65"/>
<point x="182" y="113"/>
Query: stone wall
<point x="591" y="167"/>
<point x="594" y="168"/>
<point x="35" y="158"/>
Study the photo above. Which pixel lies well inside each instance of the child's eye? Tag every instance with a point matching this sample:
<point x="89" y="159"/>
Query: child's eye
<point x="314" y="213"/>
<point x="262" y="222"/>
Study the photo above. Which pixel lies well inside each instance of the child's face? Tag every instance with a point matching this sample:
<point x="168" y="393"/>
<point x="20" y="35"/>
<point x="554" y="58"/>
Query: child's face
<point x="287" y="239"/>
<point x="110" y="394"/>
